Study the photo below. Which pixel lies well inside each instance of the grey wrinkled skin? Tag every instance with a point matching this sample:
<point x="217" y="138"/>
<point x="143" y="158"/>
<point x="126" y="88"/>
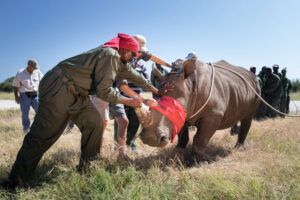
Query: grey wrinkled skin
<point x="232" y="101"/>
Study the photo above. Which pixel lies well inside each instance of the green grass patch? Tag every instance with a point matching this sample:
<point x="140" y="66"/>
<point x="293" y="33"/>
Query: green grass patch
<point x="130" y="183"/>
<point x="7" y="96"/>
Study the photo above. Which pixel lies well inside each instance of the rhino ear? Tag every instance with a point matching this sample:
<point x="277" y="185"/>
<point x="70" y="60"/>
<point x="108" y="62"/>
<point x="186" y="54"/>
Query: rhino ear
<point x="189" y="67"/>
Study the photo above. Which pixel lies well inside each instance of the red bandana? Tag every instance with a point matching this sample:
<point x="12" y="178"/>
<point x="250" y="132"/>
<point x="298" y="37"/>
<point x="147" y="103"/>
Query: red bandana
<point x="123" y="41"/>
<point x="173" y="110"/>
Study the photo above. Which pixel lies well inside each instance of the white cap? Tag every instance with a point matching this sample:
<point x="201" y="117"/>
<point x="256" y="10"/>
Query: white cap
<point x="142" y="42"/>
<point x="191" y="55"/>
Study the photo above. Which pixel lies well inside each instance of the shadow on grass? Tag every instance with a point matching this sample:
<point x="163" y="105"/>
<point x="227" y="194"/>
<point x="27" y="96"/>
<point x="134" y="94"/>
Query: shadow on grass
<point x="61" y="164"/>
<point x="170" y="157"/>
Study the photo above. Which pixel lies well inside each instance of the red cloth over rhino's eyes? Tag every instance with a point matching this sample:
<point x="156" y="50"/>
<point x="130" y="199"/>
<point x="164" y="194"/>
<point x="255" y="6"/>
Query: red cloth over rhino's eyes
<point x="174" y="111"/>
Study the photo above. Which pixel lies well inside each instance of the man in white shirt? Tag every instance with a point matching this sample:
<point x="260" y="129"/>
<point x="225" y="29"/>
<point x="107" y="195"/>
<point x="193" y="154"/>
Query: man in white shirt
<point x="26" y="82"/>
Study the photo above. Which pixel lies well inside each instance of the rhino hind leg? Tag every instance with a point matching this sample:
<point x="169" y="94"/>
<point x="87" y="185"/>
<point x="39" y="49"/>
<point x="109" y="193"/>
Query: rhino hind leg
<point x="243" y="132"/>
<point x="183" y="137"/>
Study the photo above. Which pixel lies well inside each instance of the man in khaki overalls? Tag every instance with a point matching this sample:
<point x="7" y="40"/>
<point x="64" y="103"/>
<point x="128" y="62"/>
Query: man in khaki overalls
<point x="63" y="95"/>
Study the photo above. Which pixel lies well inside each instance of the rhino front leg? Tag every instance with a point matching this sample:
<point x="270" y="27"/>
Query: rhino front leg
<point x="206" y="127"/>
<point x="183" y="137"/>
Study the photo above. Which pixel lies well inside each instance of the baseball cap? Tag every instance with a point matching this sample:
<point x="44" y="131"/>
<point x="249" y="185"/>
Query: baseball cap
<point x="191" y="55"/>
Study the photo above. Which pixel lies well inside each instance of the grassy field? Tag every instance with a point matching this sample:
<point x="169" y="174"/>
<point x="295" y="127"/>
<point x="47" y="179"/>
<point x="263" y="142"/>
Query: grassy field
<point x="7" y="96"/>
<point x="269" y="168"/>
<point x="295" y="96"/>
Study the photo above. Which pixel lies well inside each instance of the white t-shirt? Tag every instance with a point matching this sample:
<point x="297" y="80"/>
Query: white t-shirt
<point x="101" y="106"/>
<point x="27" y="82"/>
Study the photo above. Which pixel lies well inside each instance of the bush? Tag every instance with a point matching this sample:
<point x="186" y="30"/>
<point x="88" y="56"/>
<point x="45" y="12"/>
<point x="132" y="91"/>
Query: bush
<point x="296" y="85"/>
<point x="6" y="85"/>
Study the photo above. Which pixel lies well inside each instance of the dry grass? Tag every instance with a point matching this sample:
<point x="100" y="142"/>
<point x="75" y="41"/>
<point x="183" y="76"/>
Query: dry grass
<point x="295" y="96"/>
<point x="7" y="96"/>
<point x="267" y="169"/>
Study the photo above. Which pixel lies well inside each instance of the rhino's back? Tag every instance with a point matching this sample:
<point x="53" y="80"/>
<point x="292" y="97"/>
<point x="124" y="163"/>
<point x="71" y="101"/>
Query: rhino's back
<point x="232" y="98"/>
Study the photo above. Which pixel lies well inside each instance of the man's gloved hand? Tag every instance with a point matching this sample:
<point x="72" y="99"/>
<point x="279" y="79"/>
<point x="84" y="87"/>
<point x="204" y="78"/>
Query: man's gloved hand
<point x="133" y="102"/>
<point x="146" y="55"/>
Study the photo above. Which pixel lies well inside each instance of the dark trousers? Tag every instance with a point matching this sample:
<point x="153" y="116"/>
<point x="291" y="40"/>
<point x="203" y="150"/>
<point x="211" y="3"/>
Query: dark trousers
<point x="58" y="103"/>
<point x="133" y="125"/>
<point x="275" y="103"/>
<point x="288" y="98"/>
<point x="283" y="105"/>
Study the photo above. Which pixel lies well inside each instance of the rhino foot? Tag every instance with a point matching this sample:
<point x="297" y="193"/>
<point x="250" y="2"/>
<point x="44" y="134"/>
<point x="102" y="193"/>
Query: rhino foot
<point x="194" y="162"/>
<point x="190" y="163"/>
<point x="240" y="145"/>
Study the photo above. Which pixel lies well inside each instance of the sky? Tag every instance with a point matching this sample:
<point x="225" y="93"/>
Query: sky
<point x="243" y="32"/>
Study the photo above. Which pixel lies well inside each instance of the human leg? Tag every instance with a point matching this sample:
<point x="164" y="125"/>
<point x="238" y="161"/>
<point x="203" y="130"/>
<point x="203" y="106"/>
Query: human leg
<point x="133" y="127"/>
<point x="288" y="98"/>
<point x="117" y="112"/>
<point x="50" y="121"/>
<point x="90" y="123"/>
<point x="35" y="103"/>
<point x="25" y="107"/>
<point x="121" y="133"/>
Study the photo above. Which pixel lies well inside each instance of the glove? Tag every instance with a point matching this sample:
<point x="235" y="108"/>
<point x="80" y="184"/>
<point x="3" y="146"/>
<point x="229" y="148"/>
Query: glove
<point x="146" y="56"/>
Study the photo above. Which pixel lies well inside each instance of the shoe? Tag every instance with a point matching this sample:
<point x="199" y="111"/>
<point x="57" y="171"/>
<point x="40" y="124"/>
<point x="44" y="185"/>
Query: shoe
<point x="134" y="149"/>
<point x="10" y="185"/>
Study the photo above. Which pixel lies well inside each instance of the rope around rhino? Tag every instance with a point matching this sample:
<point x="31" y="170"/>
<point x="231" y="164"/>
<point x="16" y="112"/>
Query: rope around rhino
<point x="238" y="74"/>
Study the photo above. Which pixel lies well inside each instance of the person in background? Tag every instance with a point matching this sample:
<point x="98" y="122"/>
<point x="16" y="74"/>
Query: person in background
<point x="288" y="97"/>
<point x="262" y="109"/>
<point x="191" y="55"/>
<point x="134" y="123"/>
<point x="284" y="83"/>
<point x="276" y="70"/>
<point x="273" y="92"/>
<point x="155" y="77"/>
<point x="258" y="114"/>
<point x="126" y="121"/>
<point x="26" y="83"/>
<point x="253" y="70"/>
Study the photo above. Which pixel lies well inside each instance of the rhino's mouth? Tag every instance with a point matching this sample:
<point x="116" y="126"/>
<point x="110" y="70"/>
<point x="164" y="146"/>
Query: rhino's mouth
<point x="156" y="140"/>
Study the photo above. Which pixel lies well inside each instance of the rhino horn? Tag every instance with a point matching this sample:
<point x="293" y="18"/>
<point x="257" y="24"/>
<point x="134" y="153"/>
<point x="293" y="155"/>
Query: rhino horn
<point x="144" y="116"/>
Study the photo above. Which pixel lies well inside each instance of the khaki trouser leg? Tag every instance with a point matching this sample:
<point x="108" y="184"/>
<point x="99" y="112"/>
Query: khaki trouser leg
<point x="50" y="121"/>
<point x="90" y="124"/>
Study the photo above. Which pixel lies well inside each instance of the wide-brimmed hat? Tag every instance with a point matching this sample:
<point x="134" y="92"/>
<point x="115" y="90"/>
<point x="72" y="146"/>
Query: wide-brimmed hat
<point x="33" y="63"/>
<point x="142" y="43"/>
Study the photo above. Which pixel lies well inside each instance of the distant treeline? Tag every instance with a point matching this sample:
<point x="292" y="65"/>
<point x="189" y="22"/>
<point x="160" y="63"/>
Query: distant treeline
<point x="296" y="85"/>
<point x="5" y="86"/>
